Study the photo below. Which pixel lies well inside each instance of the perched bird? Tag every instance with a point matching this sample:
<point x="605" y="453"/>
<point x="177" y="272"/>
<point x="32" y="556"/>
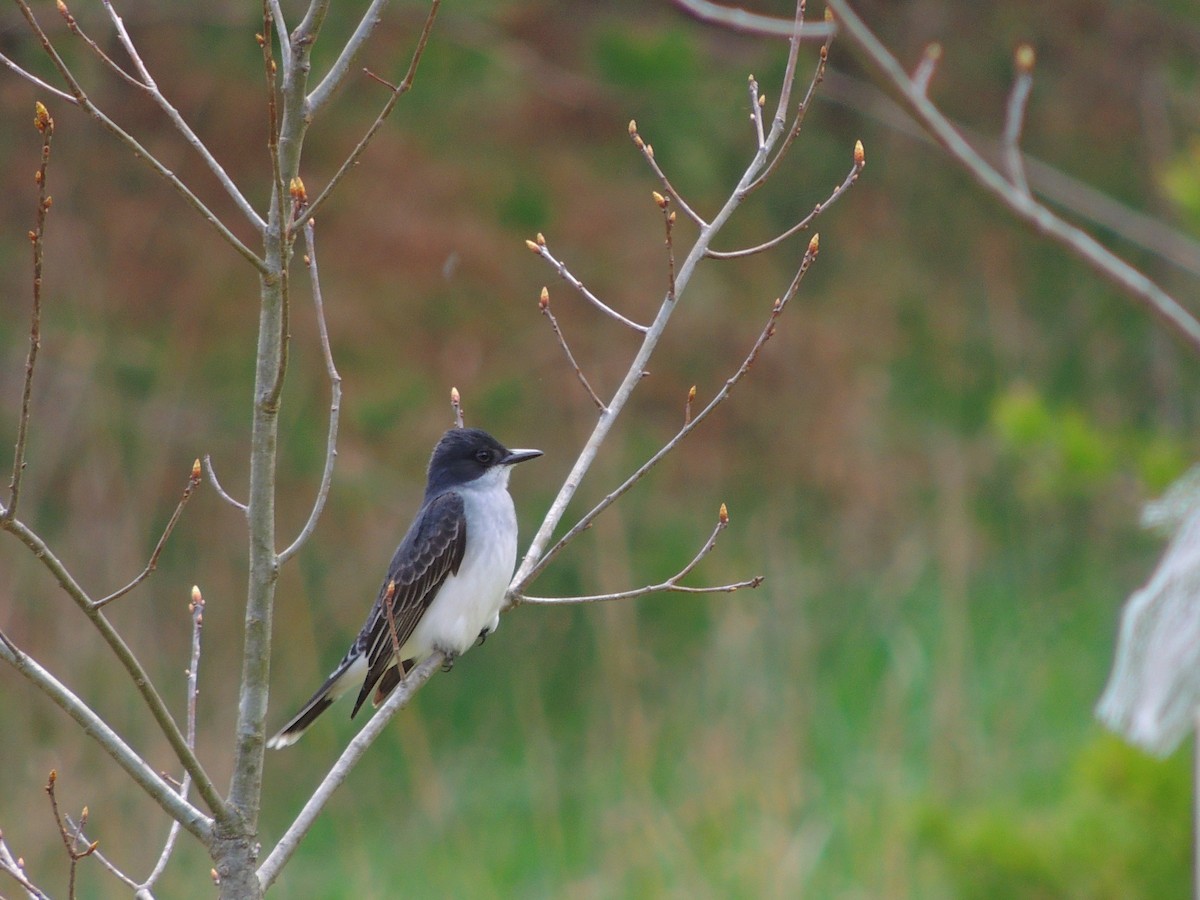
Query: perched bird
<point x="445" y="586"/>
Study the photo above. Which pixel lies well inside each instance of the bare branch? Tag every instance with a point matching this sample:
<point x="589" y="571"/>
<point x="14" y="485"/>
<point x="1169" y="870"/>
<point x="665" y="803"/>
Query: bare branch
<point x="193" y="483"/>
<point x="1063" y="190"/>
<point x="45" y="126"/>
<point x="37" y="82"/>
<point x="1015" y="118"/>
<point x="544" y="307"/>
<point x="648" y="155"/>
<point x="736" y="19"/>
<point x="96" y="728"/>
<point x="337" y="73"/>
<point x="108" y="61"/>
<point x="396" y="701"/>
<point x="534" y="561"/>
<point x="279" y="195"/>
<point x="539" y="247"/>
<point x="14" y="868"/>
<point x="802" y="108"/>
<point x="335" y="403"/>
<point x="125" y="655"/>
<point x="671" y="585"/>
<point x="69" y="837"/>
<point x="196" y="608"/>
<point x="851" y="177"/>
<point x="134" y="146"/>
<point x="80" y="837"/>
<point x="212" y="479"/>
<point x="397" y="92"/>
<point x="1086" y="248"/>
<point x="756" y="107"/>
<point x="532" y="566"/>
<point x="927" y="67"/>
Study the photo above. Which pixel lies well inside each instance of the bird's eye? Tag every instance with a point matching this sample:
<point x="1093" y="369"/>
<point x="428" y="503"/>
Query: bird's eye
<point x="484" y="456"/>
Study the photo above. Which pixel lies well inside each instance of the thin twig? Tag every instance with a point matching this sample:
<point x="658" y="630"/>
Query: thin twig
<point x="927" y="67"/>
<point x="1014" y="118"/>
<point x="112" y="64"/>
<point x="399" y="91"/>
<point x="544" y="307"/>
<point x="147" y="84"/>
<point x="671" y="585"/>
<point x="281" y="29"/>
<point x="735" y="19"/>
<point x="756" y="104"/>
<point x="802" y="108"/>
<point x="335" y="388"/>
<point x="539" y="247"/>
<point x="96" y="728"/>
<point x="59" y="93"/>
<point x="133" y="667"/>
<point x="14" y="868"/>
<point x="80" y="837"/>
<point x="648" y="154"/>
<point x="193" y="483"/>
<point x="527" y="573"/>
<point x="851" y="177"/>
<point x="221" y="492"/>
<point x="196" y="609"/>
<point x="134" y="146"/>
<point x="1086" y="248"/>
<point x="664" y="204"/>
<point x="280" y="194"/>
<point x="45" y="126"/>
<point x="340" y="69"/>
<point x="67" y="838"/>
<point x="534" y="560"/>
<point x="396" y="701"/>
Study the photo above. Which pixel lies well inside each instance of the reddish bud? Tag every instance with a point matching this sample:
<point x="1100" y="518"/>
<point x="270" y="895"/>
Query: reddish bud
<point x="860" y="156"/>
<point x="544" y="300"/>
<point x="723" y="515"/>
<point x="659" y="199"/>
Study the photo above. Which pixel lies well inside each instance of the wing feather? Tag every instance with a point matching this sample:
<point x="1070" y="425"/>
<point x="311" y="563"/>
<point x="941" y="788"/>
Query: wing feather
<point x="430" y="553"/>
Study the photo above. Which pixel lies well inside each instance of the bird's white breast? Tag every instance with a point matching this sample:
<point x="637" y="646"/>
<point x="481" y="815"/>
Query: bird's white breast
<point x="470" y="601"/>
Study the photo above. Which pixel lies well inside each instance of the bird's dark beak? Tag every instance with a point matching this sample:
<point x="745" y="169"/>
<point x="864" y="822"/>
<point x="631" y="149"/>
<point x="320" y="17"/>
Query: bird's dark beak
<point x="520" y="456"/>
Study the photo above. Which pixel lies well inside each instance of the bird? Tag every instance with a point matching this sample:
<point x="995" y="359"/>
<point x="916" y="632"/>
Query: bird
<point x="446" y="583"/>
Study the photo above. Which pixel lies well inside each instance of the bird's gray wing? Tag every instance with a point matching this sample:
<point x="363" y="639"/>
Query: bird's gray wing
<point x="430" y="552"/>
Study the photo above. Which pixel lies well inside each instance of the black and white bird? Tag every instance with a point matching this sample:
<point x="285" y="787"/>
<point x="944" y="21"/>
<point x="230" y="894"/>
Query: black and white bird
<point x="446" y="583"/>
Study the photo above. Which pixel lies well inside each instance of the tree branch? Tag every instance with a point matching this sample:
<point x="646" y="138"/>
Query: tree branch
<point x="44" y="125"/>
<point x="335" y="403"/>
<point x="1015" y="118"/>
<point x="95" y="727"/>
<point x="212" y="479"/>
<point x="139" y="152"/>
<point x="544" y="307"/>
<point x="670" y="585"/>
<point x="1082" y="245"/>
<point x="193" y="482"/>
<point x="13" y="867"/>
<point x="398" y="91"/>
<point x="539" y="247"/>
<point x="399" y="698"/>
<point x="527" y="574"/>
<point x="534" y="561"/>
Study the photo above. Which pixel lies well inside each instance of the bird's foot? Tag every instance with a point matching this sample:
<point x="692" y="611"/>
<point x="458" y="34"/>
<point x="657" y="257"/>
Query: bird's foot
<point x="448" y="659"/>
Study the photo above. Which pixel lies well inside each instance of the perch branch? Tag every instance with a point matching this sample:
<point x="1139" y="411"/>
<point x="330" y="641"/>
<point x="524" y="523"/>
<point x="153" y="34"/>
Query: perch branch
<point x="399" y="698"/>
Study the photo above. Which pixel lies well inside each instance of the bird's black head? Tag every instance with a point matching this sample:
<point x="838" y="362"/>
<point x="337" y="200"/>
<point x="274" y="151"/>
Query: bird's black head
<point x="466" y="454"/>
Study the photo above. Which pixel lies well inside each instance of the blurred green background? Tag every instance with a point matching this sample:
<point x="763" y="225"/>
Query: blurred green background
<point x="938" y="462"/>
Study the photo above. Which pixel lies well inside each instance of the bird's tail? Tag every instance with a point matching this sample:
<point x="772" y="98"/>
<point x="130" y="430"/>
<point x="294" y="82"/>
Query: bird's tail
<point x="348" y="671"/>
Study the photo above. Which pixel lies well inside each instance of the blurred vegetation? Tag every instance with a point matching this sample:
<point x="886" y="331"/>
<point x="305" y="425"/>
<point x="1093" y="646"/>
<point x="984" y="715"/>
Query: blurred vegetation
<point x="937" y="463"/>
